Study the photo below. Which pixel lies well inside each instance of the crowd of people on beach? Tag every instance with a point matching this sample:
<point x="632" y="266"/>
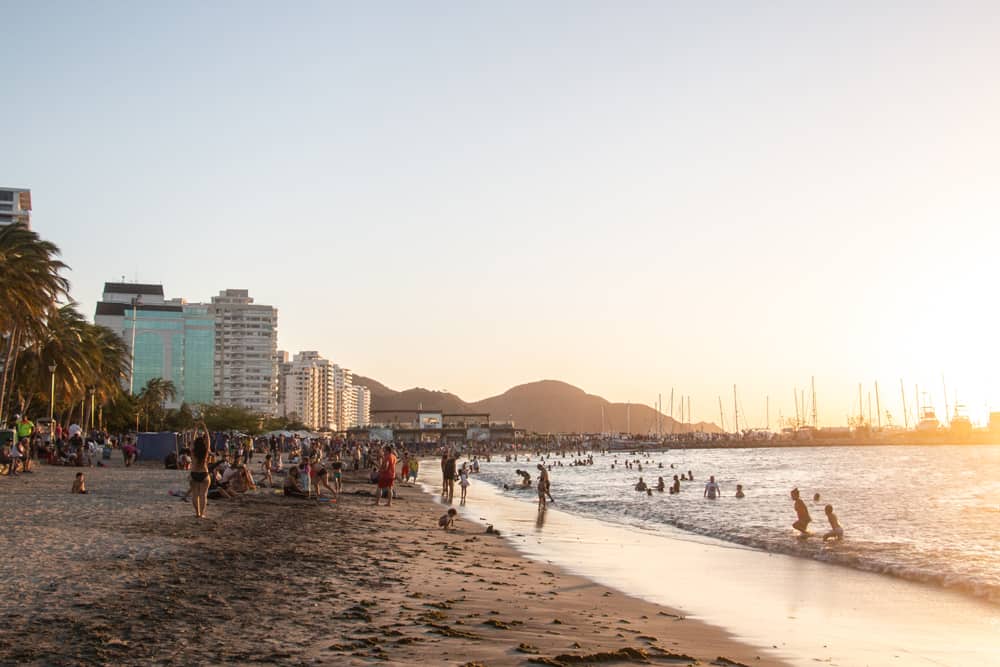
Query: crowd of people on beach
<point x="219" y="466"/>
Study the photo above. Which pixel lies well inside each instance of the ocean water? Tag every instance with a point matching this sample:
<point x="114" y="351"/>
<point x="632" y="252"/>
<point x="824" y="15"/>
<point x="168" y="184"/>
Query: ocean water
<point x="924" y="513"/>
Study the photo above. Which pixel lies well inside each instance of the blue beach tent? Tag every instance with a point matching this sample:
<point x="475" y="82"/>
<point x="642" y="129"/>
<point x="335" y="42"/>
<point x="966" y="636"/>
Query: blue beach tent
<point x="156" y="446"/>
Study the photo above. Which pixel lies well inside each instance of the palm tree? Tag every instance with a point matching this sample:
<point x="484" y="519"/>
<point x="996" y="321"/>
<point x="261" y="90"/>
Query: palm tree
<point x="30" y="285"/>
<point x="152" y="397"/>
<point x="90" y="360"/>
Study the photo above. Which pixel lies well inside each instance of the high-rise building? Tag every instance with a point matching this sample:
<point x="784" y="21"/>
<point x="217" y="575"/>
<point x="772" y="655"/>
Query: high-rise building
<point x="167" y="339"/>
<point x="347" y="409"/>
<point x="15" y="206"/>
<point x="246" y="346"/>
<point x="309" y="391"/>
<point x="363" y="403"/>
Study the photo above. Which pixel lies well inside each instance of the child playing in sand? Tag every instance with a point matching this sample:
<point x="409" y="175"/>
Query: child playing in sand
<point x="79" y="485"/>
<point x="836" y="532"/>
<point x="448" y="520"/>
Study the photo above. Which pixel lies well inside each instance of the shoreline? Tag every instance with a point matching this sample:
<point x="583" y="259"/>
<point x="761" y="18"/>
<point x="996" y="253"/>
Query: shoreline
<point x="807" y="610"/>
<point x="127" y="575"/>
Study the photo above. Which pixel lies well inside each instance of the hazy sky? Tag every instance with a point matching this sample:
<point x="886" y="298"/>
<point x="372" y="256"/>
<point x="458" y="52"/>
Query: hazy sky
<point x="626" y="196"/>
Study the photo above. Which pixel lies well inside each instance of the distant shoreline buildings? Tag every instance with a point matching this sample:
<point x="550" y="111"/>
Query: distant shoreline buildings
<point x="225" y="352"/>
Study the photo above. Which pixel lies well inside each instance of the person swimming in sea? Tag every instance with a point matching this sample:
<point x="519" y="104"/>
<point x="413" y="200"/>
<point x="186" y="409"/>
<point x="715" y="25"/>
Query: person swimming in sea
<point x="661" y="486"/>
<point x="641" y="486"/>
<point x="712" y="489"/>
<point x="836" y="531"/>
<point x="802" y="513"/>
<point x="676" y="486"/>
<point x="739" y="491"/>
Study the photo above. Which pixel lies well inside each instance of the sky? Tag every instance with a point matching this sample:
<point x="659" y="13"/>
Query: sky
<point x="632" y="197"/>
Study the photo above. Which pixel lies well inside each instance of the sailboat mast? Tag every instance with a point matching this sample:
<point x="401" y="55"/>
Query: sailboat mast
<point x="722" y="417"/>
<point x="767" y="413"/>
<point x="861" y="406"/>
<point x="736" y="411"/>
<point x="815" y="414"/>
<point x="672" y="421"/>
<point x="878" y="407"/>
<point x="795" y="393"/>
<point x="947" y="415"/>
<point x="906" y="417"/>
<point x="869" y="409"/>
<point x="689" y="409"/>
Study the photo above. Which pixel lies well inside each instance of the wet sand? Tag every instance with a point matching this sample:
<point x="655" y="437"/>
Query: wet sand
<point x="127" y="575"/>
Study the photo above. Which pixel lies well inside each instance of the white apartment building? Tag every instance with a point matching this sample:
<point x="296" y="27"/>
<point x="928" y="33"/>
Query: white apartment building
<point x="15" y="206"/>
<point x="246" y="345"/>
<point x="363" y="403"/>
<point x="347" y="408"/>
<point x="309" y="390"/>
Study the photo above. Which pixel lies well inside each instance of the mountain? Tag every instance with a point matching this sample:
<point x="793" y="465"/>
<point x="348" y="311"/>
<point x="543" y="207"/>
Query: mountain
<point x="547" y="406"/>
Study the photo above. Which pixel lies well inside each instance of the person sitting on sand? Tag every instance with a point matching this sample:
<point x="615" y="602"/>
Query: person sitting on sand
<point x="79" y="484"/>
<point x="242" y="480"/>
<point x="661" y="486"/>
<point x="447" y="520"/>
<point x="292" y="486"/>
<point x="802" y="513"/>
<point x="739" y="491"/>
<point x="836" y="532"/>
<point x="712" y="489"/>
<point x="641" y="486"/>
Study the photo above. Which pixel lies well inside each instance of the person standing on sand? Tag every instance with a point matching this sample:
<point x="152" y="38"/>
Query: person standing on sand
<point x="541" y="492"/>
<point x="386" y="475"/>
<point x="449" y="473"/>
<point x="802" y="513"/>
<point x="200" y="482"/>
<point x="543" y="476"/>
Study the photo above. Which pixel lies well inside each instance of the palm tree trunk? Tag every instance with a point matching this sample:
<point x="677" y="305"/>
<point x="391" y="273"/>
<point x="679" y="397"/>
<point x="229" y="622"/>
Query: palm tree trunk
<point x="6" y="370"/>
<point x="9" y="383"/>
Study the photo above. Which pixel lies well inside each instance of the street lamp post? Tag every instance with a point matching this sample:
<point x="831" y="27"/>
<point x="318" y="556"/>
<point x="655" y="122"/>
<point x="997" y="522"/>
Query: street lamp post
<point x="131" y="376"/>
<point x="52" y="394"/>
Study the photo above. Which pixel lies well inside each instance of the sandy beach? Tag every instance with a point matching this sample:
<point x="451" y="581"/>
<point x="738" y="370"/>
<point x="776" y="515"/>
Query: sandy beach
<point x="127" y="575"/>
